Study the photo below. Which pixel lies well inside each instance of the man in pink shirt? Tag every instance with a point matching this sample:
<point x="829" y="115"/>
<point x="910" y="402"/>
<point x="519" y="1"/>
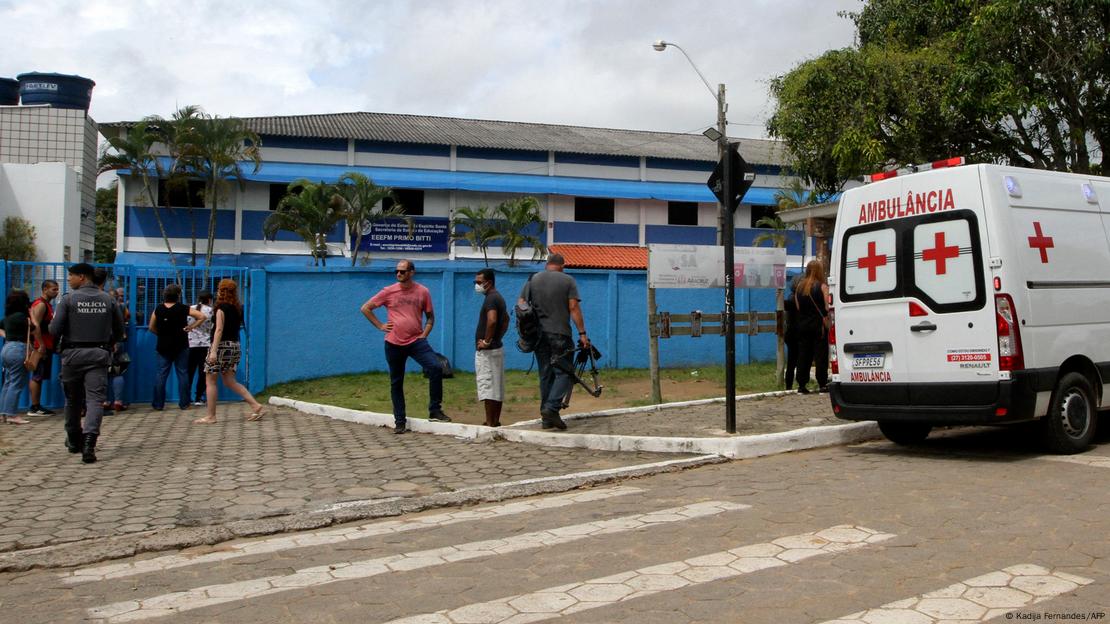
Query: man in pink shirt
<point x="406" y="335"/>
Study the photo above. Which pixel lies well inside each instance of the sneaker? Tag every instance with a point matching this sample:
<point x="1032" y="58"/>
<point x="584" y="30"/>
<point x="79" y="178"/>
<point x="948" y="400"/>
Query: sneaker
<point x="399" y="429"/>
<point x="118" y="406"/>
<point x="199" y="404"/>
<point x="551" y="420"/>
<point x="38" y="410"/>
<point x="439" y="416"/>
<point x="823" y="390"/>
<point x="803" y="390"/>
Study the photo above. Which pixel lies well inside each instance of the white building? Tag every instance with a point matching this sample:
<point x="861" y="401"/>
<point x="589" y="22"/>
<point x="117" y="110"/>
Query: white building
<point x="48" y="177"/>
<point x="606" y="189"/>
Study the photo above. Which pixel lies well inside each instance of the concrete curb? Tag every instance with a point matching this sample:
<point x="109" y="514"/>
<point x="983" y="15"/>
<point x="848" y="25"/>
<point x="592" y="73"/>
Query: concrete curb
<point x="94" y="550"/>
<point x="739" y="447"/>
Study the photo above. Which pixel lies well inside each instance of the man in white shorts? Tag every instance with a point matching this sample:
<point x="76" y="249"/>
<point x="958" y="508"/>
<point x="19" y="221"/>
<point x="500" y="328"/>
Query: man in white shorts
<point x="489" y="355"/>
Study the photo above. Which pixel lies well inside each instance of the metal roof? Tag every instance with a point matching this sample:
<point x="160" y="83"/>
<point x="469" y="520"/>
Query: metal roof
<point x="503" y="135"/>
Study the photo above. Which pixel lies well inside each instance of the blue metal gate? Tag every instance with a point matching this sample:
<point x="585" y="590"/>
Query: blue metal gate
<point x="141" y="290"/>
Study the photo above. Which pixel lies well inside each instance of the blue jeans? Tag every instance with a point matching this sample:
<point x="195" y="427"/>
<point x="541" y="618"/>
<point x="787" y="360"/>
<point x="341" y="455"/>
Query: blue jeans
<point x="115" y="389"/>
<point x="554" y="381"/>
<point x="15" y="377"/>
<point x="180" y="365"/>
<point x="396" y="356"/>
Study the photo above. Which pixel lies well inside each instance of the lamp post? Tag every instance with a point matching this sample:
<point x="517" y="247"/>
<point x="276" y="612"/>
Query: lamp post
<point x="727" y="231"/>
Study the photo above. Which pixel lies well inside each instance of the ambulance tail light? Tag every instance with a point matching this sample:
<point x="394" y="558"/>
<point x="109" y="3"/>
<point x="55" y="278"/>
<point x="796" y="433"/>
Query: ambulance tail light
<point x="834" y="364"/>
<point x="1010" y="357"/>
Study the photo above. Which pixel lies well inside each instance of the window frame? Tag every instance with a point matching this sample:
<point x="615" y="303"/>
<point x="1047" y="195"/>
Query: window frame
<point x="905" y="271"/>
<point x="612" y="208"/>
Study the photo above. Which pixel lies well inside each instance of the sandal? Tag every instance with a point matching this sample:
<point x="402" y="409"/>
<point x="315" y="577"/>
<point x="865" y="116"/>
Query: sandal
<point x="204" y="421"/>
<point x="16" y="420"/>
<point x="257" y="415"/>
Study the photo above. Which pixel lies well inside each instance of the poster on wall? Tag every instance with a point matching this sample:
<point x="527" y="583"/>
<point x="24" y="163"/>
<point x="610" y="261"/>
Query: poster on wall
<point x="703" y="266"/>
<point x="429" y="235"/>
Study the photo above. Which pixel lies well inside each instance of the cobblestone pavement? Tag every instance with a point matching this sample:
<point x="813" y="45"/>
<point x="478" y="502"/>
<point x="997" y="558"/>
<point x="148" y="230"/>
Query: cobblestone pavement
<point x="974" y="525"/>
<point x="158" y="470"/>
<point x="753" y="416"/>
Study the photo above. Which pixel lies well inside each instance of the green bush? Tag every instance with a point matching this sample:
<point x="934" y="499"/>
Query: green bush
<point x="17" y="240"/>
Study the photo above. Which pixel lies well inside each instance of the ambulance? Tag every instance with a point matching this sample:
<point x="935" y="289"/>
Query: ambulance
<point x="972" y="295"/>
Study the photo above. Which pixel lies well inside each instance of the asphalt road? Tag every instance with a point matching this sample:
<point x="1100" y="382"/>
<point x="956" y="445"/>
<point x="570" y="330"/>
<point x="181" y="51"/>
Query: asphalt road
<point x="972" y="526"/>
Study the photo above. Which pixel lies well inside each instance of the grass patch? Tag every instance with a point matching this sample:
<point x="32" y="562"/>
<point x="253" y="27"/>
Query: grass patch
<point x="623" y="388"/>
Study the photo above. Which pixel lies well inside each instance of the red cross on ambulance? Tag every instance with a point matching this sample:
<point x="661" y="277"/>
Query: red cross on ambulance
<point x="1040" y="242"/>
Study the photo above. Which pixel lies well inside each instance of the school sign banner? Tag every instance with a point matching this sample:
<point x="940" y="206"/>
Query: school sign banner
<point x="703" y="266"/>
<point x="429" y="235"/>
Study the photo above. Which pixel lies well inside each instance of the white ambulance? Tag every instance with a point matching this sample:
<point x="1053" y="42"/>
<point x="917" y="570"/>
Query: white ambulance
<point x="973" y="295"/>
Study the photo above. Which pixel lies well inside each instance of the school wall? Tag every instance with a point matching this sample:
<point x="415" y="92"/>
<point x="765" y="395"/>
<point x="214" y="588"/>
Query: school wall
<point x="313" y="326"/>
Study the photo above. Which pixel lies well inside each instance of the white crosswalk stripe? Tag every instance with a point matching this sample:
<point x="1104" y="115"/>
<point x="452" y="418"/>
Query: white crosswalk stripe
<point x="601" y="592"/>
<point x="975" y="600"/>
<point x="340" y="535"/>
<point x="1097" y="461"/>
<point x="177" y="602"/>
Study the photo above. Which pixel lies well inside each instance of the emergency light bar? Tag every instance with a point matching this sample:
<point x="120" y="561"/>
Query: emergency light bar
<point x="936" y="164"/>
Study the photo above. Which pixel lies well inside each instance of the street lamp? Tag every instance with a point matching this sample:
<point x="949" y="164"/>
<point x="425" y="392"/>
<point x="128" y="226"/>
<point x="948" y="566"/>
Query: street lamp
<point x="727" y="237"/>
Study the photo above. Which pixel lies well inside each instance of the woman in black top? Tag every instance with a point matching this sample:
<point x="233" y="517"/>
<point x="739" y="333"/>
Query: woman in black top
<point x="168" y="322"/>
<point x="14" y="332"/>
<point x="223" y="355"/>
<point x="810" y="296"/>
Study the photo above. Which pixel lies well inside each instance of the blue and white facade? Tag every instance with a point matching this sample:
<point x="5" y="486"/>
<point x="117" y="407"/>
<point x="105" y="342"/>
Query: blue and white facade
<point x="597" y="186"/>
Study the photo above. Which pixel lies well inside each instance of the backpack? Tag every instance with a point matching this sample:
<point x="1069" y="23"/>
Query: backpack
<point x="527" y="325"/>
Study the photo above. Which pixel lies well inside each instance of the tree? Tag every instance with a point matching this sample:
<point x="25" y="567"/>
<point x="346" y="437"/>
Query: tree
<point x="216" y="148"/>
<point x="515" y="217"/>
<point x="17" y="240"/>
<point x="310" y="210"/>
<point x="1022" y="82"/>
<point x="133" y="150"/>
<point x="104" y="241"/>
<point x="477" y="226"/>
<point x="361" y="198"/>
<point x="176" y="135"/>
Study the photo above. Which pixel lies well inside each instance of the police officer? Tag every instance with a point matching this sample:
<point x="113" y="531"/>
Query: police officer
<point x="89" y="323"/>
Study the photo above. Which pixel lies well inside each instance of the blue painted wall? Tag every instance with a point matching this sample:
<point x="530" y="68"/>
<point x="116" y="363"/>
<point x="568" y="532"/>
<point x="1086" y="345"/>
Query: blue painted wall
<point x="313" y="325"/>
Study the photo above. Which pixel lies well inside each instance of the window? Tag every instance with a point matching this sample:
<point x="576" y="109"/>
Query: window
<point x="277" y="193"/>
<point x="595" y="209"/>
<point x="682" y="213"/>
<point x="180" y="194"/>
<point x="871" y="262"/>
<point x="934" y="258"/>
<point x="410" y="200"/>
<point x="759" y="212"/>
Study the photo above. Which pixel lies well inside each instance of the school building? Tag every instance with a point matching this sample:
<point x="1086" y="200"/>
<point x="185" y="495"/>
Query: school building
<point x="606" y="193"/>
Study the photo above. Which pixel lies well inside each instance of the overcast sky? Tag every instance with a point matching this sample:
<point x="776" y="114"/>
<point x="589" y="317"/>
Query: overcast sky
<point x="583" y="62"/>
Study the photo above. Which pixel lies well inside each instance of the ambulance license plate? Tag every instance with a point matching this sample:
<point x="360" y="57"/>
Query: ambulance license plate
<point x="868" y="360"/>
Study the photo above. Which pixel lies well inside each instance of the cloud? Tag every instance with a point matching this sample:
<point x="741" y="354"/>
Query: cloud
<point x="562" y="61"/>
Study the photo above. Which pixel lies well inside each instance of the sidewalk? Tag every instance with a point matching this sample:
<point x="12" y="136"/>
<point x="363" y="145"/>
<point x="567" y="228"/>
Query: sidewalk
<point x="158" y="471"/>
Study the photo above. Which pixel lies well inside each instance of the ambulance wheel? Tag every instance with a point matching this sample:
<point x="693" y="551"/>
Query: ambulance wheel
<point x="1069" y="426"/>
<point x="904" y="433"/>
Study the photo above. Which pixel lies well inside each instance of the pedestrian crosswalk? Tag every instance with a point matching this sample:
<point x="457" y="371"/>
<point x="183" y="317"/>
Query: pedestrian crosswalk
<point x="978" y="599"/>
<point x="555" y="602"/>
<point x="340" y="535"/>
<point x="530" y="528"/>
<point x="178" y="602"/>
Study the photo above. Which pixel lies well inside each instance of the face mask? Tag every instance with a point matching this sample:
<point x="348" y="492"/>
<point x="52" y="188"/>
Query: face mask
<point x="480" y="289"/>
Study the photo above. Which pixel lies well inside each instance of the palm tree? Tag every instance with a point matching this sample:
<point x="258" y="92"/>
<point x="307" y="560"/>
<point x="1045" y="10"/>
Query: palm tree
<point x="216" y="148"/>
<point x="480" y="228"/>
<point x="133" y="151"/>
<point x="310" y="210"/>
<point x="514" y="218"/>
<point x="361" y="198"/>
<point x="176" y="135"/>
